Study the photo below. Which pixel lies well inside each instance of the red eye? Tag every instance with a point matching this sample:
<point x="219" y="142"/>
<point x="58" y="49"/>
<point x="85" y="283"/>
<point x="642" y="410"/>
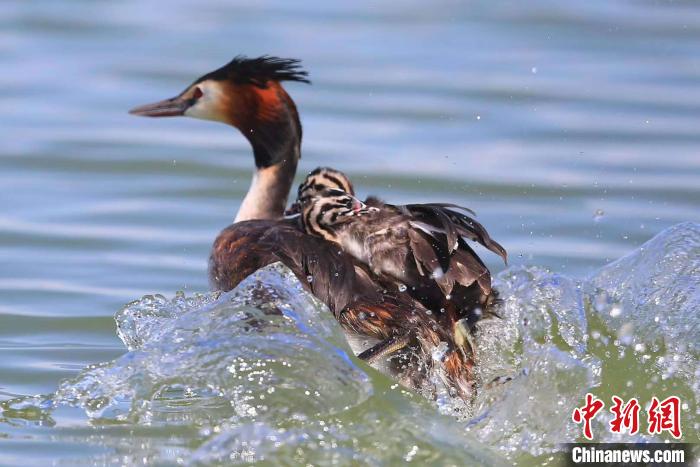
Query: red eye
<point x="197" y="93"/>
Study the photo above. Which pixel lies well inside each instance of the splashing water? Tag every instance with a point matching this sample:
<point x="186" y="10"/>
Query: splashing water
<point x="259" y="373"/>
<point x="631" y="330"/>
<point x="264" y="372"/>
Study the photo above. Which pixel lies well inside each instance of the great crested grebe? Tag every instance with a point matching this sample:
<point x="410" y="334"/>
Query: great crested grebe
<point x="247" y="94"/>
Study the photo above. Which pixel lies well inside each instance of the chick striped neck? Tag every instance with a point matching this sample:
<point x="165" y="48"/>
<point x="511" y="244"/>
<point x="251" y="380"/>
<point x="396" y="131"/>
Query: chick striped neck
<point x="324" y="214"/>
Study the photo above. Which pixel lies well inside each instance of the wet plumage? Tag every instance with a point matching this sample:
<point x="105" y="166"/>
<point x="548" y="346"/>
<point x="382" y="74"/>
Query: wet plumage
<point x="414" y="243"/>
<point x="420" y="248"/>
<point x="248" y="95"/>
<point x="363" y="304"/>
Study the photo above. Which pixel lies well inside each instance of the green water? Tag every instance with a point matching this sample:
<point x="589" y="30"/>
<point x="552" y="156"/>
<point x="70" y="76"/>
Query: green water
<point x="571" y="128"/>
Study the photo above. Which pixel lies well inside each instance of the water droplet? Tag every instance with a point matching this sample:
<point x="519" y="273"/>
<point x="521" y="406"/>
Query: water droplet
<point x="310" y="278"/>
<point x="534" y="70"/>
<point x="411" y="454"/>
<point x="439" y="351"/>
<point x="601" y="302"/>
<point x="598" y="215"/>
<point x="402" y="288"/>
<point x="626" y="334"/>
<point x="615" y="311"/>
<point x="362" y="315"/>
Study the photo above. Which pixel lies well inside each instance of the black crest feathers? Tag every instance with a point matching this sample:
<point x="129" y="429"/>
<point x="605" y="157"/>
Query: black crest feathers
<point x="258" y="71"/>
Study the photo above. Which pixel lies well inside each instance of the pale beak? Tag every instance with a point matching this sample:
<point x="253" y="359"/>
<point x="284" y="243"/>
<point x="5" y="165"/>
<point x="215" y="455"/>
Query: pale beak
<point x="172" y="107"/>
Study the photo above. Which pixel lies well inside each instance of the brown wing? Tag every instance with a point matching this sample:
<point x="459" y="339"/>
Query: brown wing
<point x="429" y="258"/>
<point x="466" y="268"/>
<point x="360" y="301"/>
<point x="447" y="216"/>
<point x="442" y="229"/>
<point x="446" y="219"/>
<point x="346" y="286"/>
<point x="236" y="254"/>
<point x="245" y="247"/>
<point x="439" y="255"/>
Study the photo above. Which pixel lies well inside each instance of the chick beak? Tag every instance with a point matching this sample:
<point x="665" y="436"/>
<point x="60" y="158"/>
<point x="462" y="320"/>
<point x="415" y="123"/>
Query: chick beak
<point x="357" y="206"/>
<point x="294" y="209"/>
<point x="173" y="107"/>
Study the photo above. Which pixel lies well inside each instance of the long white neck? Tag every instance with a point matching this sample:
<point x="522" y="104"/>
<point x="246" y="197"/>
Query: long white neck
<point x="268" y="192"/>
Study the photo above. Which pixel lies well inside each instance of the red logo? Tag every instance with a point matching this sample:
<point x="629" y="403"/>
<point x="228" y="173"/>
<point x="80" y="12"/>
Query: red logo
<point x="661" y="415"/>
<point x="626" y="418"/>
<point x="665" y="416"/>
<point x="586" y="413"/>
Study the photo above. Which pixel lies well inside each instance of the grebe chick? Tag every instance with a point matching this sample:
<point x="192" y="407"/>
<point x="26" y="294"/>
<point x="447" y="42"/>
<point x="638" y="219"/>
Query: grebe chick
<point x="317" y="180"/>
<point x="421" y="247"/>
<point x="325" y="177"/>
<point x="411" y="243"/>
<point x="328" y="214"/>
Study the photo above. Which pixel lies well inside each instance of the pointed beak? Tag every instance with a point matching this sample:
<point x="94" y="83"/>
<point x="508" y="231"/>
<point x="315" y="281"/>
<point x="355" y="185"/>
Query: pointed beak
<point x="173" y="107"/>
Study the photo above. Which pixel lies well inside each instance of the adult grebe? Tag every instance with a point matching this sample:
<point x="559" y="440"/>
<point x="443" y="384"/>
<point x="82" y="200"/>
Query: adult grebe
<point x="247" y="94"/>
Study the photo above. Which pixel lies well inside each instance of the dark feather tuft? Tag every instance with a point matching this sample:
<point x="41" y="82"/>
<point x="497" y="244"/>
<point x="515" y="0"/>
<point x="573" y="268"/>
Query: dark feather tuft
<point x="258" y="71"/>
<point x="454" y="224"/>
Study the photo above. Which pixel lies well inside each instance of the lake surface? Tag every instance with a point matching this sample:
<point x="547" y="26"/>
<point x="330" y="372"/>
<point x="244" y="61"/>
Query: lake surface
<point x="570" y="127"/>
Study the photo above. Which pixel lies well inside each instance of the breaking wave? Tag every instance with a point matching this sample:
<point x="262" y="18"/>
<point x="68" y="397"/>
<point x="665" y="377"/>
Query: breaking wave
<point x="264" y="372"/>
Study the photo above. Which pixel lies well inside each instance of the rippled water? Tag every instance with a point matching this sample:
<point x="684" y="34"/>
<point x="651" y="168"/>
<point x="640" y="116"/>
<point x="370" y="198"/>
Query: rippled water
<point x="571" y="128"/>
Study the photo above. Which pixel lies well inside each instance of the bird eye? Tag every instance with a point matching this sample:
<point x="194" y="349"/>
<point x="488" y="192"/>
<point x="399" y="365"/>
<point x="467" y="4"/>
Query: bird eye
<point x="197" y="93"/>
